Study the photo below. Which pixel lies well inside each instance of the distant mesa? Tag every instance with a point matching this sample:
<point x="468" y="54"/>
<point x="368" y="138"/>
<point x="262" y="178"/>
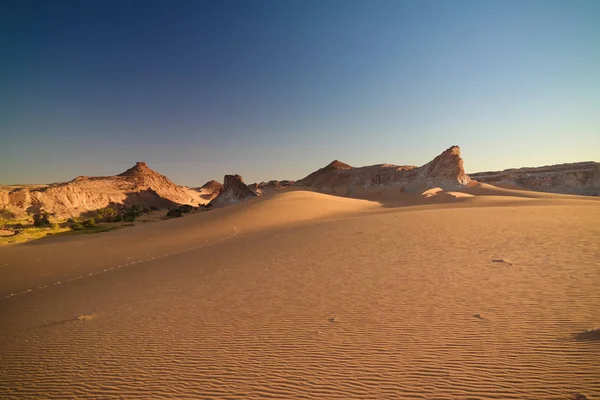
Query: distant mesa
<point x="142" y="184"/>
<point x="234" y="190"/>
<point x="445" y="171"/>
<point x="581" y="178"/>
<point x="138" y="185"/>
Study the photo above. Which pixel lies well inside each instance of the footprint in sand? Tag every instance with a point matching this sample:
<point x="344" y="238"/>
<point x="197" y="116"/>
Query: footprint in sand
<point x="589" y="335"/>
<point x="579" y="396"/>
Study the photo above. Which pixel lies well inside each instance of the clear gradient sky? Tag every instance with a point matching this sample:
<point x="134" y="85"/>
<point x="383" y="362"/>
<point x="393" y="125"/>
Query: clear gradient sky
<point x="277" y="89"/>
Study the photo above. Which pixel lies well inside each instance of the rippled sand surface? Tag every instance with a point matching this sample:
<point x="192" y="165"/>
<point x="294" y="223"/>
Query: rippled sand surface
<point x="304" y="295"/>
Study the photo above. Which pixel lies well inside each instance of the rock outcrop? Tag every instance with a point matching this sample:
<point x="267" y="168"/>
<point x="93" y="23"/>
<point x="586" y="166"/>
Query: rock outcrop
<point x="445" y="171"/>
<point x="137" y="185"/>
<point x="269" y="187"/>
<point x="209" y="190"/>
<point x="139" y="169"/>
<point x="323" y="173"/>
<point x="212" y="185"/>
<point x="581" y="178"/>
<point x="234" y="190"/>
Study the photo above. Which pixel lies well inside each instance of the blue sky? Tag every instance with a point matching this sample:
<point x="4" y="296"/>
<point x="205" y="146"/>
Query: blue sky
<point x="277" y="89"/>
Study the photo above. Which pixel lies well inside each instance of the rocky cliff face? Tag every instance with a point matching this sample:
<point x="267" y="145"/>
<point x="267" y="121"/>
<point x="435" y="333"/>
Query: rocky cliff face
<point x="137" y="185"/>
<point x="445" y="171"/>
<point x="234" y="190"/>
<point x="576" y="178"/>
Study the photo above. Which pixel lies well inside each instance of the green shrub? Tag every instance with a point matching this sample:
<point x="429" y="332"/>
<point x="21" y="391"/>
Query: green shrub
<point x="118" y="218"/>
<point x="185" y="208"/>
<point x="41" y="219"/>
<point x="129" y="216"/>
<point x="5" y="216"/>
<point x="174" y="213"/>
<point x="136" y="208"/>
<point x="77" y="226"/>
<point x="106" y="214"/>
<point x="89" y="223"/>
<point x="132" y="213"/>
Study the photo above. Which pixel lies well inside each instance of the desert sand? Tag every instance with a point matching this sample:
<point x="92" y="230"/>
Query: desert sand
<point x="480" y="293"/>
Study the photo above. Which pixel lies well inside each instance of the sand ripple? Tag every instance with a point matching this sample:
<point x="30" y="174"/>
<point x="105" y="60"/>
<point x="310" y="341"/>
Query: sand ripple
<point x="377" y="307"/>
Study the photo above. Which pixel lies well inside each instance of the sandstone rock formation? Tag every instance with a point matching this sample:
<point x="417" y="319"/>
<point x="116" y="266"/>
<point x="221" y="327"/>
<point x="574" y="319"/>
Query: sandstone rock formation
<point x="445" y="171"/>
<point x="575" y="178"/>
<point x="269" y="187"/>
<point x="234" y="190"/>
<point x="137" y="185"/>
<point x="209" y="190"/>
<point x="212" y="185"/>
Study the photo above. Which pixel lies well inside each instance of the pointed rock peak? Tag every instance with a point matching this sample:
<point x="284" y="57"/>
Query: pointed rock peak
<point x="454" y="150"/>
<point x="337" y="164"/>
<point x="448" y="164"/>
<point x="212" y="184"/>
<point x="140" y="168"/>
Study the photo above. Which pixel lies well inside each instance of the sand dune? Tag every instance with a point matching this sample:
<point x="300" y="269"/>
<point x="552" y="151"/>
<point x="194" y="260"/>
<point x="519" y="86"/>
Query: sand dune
<point x="478" y="294"/>
<point x="58" y="259"/>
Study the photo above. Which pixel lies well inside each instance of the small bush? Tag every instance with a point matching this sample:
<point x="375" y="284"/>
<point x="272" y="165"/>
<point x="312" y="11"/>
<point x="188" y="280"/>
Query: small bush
<point x="41" y="219"/>
<point x="5" y="216"/>
<point x="185" y="208"/>
<point x="174" y="213"/>
<point x="89" y="223"/>
<point x="129" y="216"/>
<point x="145" y="210"/>
<point x="118" y="218"/>
<point x="54" y="226"/>
<point x="106" y="214"/>
<point x="77" y="226"/>
<point x="132" y="213"/>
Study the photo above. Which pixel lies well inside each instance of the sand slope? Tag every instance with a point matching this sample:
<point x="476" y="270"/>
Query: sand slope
<point x="59" y="259"/>
<point x="312" y="296"/>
